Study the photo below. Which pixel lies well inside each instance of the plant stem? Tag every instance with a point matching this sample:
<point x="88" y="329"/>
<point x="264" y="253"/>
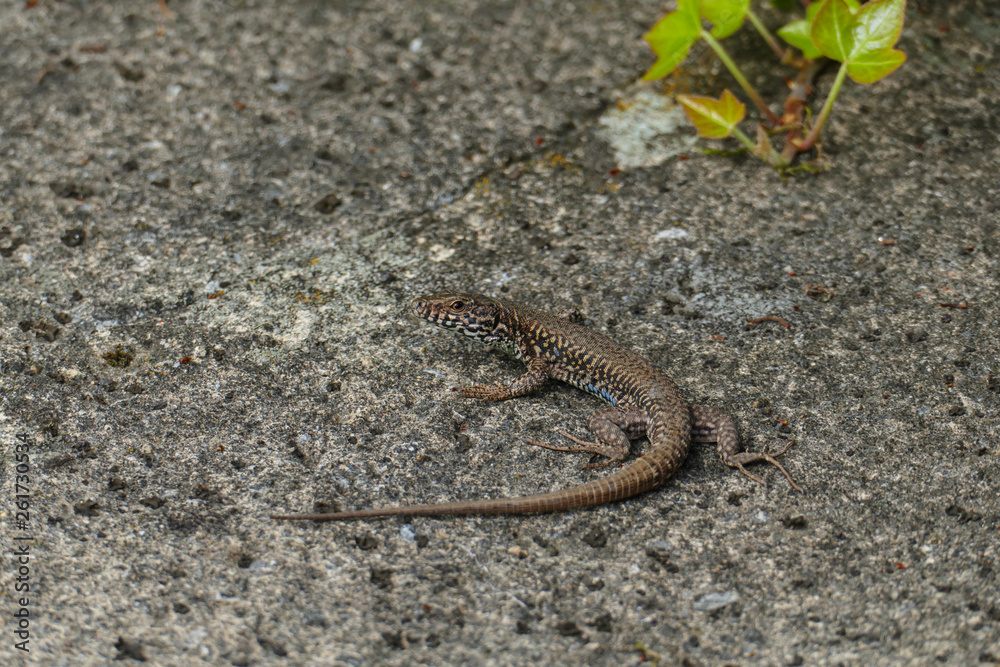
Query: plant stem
<point x="808" y="142"/>
<point x="795" y="107"/>
<point x="740" y="79"/>
<point x="744" y="139"/>
<point x="766" y="34"/>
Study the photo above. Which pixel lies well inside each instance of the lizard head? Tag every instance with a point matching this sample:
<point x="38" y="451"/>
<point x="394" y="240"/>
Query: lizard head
<point x="474" y="315"/>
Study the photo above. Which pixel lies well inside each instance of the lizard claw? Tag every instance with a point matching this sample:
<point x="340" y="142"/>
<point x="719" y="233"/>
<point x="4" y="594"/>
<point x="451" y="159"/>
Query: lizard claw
<point x="737" y="461"/>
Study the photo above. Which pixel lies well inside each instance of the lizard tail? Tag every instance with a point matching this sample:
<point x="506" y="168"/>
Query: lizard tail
<point x="643" y="474"/>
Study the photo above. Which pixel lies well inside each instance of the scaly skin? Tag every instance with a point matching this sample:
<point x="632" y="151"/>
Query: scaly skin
<point x="645" y="402"/>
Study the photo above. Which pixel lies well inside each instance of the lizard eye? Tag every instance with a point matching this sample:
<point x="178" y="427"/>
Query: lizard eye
<point x="458" y="306"/>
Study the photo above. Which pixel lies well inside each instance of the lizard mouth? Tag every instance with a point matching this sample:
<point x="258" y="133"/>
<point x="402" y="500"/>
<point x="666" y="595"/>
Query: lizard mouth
<point x="432" y="309"/>
<point x="425" y="310"/>
<point x="420" y="308"/>
<point x="472" y="315"/>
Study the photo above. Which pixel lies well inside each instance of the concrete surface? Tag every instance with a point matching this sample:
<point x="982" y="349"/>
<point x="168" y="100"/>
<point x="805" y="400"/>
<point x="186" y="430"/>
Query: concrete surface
<point x="211" y="223"/>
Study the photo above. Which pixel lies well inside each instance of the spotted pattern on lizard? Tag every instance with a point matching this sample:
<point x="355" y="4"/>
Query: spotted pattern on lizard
<point x="645" y="403"/>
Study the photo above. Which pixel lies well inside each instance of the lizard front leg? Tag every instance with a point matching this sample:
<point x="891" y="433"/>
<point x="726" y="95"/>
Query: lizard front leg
<point x="532" y="380"/>
<point x="613" y="429"/>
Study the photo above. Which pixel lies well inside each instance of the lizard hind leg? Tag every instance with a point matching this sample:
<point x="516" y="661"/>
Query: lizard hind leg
<point x="613" y="429"/>
<point x="708" y="425"/>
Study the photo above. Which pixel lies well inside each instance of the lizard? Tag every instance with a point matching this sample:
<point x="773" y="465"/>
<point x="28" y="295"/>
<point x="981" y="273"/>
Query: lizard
<point x="644" y="401"/>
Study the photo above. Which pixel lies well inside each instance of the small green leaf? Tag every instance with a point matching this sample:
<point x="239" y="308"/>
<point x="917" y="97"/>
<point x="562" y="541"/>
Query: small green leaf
<point x="796" y="33"/>
<point x="726" y="16"/>
<point x="783" y="5"/>
<point x="861" y="37"/>
<point x="831" y="30"/>
<point x="870" y="67"/>
<point x="671" y="38"/>
<point x="715" y="119"/>
<point x="814" y="7"/>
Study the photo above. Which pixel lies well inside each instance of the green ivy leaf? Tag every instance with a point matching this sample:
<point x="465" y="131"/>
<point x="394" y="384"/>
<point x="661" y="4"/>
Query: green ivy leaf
<point x="714" y="118"/>
<point x="869" y="68"/>
<point x="726" y="16"/>
<point x="671" y="38"/>
<point x="796" y="33"/>
<point x="861" y="37"/>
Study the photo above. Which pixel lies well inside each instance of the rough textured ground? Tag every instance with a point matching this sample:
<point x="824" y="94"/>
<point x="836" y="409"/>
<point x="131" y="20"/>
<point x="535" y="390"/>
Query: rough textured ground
<point x="211" y="223"/>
